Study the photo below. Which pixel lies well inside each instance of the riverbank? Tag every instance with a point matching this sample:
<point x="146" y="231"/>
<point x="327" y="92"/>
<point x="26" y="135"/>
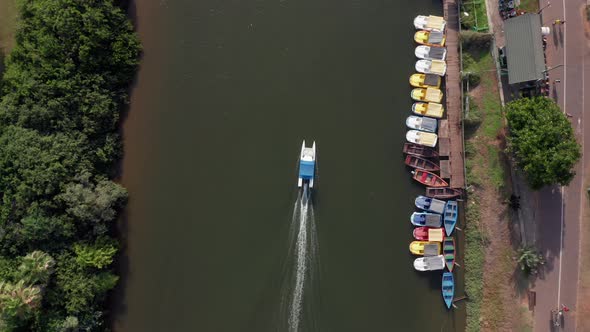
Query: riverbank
<point x="58" y="147"/>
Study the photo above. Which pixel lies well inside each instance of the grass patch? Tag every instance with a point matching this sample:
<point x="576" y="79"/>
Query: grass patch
<point x="477" y="20"/>
<point x="530" y="6"/>
<point x="484" y="170"/>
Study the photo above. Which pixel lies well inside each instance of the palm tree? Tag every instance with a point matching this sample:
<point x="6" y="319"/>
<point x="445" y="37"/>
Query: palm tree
<point x="17" y="301"/>
<point x="36" y="267"/>
<point x="529" y="259"/>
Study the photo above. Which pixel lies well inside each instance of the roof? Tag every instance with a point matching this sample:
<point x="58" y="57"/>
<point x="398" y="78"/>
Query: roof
<point x="306" y="169"/>
<point x="432" y="220"/>
<point x="435" y="22"/>
<point x="436" y="52"/>
<point x="524" y="48"/>
<point x="431" y="249"/>
<point x="434" y="262"/>
<point x="429" y="124"/>
<point x="435" y="37"/>
<point x="431" y="79"/>
<point x="435" y="234"/>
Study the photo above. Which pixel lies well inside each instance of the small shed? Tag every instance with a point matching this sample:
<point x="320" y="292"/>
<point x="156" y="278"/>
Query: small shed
<point x="524" y="48"/>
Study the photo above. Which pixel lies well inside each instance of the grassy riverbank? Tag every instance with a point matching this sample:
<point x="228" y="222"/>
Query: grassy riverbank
<point x="489" y="252"/>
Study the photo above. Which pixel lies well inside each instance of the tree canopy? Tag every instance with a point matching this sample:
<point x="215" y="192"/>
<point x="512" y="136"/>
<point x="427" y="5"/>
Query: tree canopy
<point x="64" y="88"/>
<point x="542" y="140"/>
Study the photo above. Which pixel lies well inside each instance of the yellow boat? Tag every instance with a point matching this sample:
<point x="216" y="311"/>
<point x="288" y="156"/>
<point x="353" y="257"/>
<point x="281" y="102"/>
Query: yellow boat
<point x="428" y="94"/>
<point x="425" y="80"/>
<point x="425" y="248"/>
<point x="430" y="38"/>
<point x="433" y="110"/>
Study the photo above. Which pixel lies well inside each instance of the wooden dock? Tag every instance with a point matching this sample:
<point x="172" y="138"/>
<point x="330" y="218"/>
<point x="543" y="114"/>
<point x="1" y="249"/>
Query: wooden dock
<point x="451" y="131"/>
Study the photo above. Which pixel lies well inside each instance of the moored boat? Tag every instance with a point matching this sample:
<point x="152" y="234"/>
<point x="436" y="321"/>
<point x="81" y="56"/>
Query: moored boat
<point x="429" y="263"/>
<point x="306" y="166"/>
<point x="449" y="252"/>
<point x="419" y="80"/>
<point x="443" y="192"/>
<point x="429" y="23"/>
<point x="423" y="233"/>
<point x="433" y="110"/>
<point x="423" y="123"/>
<point x="448" y="288"/>
<point x="426" y="219"/>
<point x="430" y="52"/>
<point x="422" y="138"/>
<point x="436" y="67"/>
<point x="425" y="248"/>
<point x="430" y="38"/>
<point x="419" y="150"/>
<point x="430" y="205"/>
<point x="427" y="95"/>
<point x="429" y="179"/>
<point x="450" y="216"/>
<point x="421" y="163"/>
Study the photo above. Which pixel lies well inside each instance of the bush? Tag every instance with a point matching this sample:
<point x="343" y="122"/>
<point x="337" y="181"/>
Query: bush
<point x="476" y="40"/>
<point x="472" y="118"/>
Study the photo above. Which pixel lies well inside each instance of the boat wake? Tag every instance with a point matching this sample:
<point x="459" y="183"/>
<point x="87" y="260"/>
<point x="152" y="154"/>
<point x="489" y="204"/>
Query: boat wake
<point x="297" y="299"/>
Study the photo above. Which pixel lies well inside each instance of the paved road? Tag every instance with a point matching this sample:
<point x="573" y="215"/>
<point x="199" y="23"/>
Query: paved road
<point x="559" y="216"/>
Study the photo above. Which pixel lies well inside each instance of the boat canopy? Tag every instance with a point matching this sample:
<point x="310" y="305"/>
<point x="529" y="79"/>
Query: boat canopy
<point x="432" y="220"/>
<point x="431" y="79"/>
<point x="438" y="67"/>
<point x="433" y="94"/>
<point x="306" y="169"/>
<point x="429" y="124"/>
<point x="436" y="53"/>
<point x="435" y="37"/>
<point x="428" y="139"/>
<point x="434" y="262"/>
<point x="435" y="234"/>
<point x="437" y="206"/>
<point x="435" y="22"/>
<point x="431" y="249"/>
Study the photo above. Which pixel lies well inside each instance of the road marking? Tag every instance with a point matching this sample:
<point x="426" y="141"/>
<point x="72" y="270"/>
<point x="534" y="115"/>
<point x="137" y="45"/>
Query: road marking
<point x="562" y="191"/>
<point x="560" y="250"/>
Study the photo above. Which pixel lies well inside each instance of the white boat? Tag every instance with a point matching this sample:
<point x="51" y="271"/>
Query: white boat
<point x="422" y="123"/>
<point x="430" y="52"/>
<point x="422" y="138"/>
<point x="306" y="165"/>
<point x="429" y="23"/>
<point x="437" y="67"/>
<point x="430" y="263"/>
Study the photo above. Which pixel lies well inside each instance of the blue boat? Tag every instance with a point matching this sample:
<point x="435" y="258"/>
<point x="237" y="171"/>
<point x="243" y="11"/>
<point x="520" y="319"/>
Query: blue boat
<point x="306" y="166"/>
<point x="426" y="219"/>
<point x="450" y="216"/>
<point x="448" y="288"/>
<point x="430" y="204"/>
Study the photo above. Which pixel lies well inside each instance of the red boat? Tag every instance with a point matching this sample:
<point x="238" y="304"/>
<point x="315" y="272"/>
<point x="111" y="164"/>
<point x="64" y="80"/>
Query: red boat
<point x="432" y="234"/>
<point x="429" y="179"/>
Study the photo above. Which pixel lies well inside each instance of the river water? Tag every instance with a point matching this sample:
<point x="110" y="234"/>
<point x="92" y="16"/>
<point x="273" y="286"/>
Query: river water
<point x="226" y="93"/>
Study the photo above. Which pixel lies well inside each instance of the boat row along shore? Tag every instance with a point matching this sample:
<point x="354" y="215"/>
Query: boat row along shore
<point x="438" y="210"/>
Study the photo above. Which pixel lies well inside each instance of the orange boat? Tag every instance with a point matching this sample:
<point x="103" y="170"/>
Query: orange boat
<point x="429" y="179"/>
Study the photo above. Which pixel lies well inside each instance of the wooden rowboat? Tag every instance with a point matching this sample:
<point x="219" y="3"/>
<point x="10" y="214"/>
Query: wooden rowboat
<point x="421" y="163"/>
<point x="449" y="252"/>
<point x="419" y="150"/>
<point x="443" y="193"/>
<point x="429" y="179"/>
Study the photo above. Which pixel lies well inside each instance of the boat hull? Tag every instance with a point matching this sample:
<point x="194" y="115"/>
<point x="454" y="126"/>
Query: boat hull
<point x="449" y="252"/>
<point x="419" y="150"/>
<point x="448" y="289"/>
<point x="443" y="192"/>
<point x="421" y="163"/>
<point x="429" y="179"/>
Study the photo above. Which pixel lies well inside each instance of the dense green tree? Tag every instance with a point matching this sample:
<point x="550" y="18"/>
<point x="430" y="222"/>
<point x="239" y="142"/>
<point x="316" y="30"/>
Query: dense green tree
<point x="542" y="140"/>
<point x="93" y="203"/>
<point x="63" y="90"/>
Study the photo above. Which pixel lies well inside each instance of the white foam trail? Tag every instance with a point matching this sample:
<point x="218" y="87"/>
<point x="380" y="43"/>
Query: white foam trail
<point x="301" y="269"/>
